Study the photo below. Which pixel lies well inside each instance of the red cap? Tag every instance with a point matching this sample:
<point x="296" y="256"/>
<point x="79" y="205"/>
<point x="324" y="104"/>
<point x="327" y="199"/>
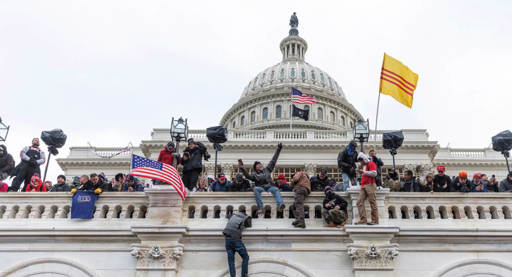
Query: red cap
<point x="477" y="175"/>
<point x="441" y="168"/>
<point x="281" y="176"/>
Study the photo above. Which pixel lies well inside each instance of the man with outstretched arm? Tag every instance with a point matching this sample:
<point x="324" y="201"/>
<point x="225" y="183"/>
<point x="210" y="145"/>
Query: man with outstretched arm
<point x="262" y="178"/>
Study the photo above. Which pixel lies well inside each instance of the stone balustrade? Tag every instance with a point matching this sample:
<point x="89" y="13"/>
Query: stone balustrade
<point x="394" y="208"/>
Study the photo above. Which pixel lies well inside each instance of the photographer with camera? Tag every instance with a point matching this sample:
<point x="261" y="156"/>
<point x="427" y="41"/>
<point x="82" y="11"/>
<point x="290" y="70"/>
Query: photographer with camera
<point x="6" y="163"/>
<point x="192" y="162"/>
<point x="31" y="158"/>
<point x="334" y="209"/>
<point x="262" y="178"/>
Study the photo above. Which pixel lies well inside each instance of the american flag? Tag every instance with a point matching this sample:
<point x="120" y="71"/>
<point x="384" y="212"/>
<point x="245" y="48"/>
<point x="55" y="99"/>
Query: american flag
<point x="301" y="98"/>
<point x="143" y="167"/>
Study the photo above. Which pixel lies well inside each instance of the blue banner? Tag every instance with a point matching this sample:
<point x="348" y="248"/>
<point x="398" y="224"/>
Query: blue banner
<point x="83" y="204"/>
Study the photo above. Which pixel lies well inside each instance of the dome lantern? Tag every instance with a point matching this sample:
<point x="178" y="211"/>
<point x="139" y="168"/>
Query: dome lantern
<point x="293" y="47"/>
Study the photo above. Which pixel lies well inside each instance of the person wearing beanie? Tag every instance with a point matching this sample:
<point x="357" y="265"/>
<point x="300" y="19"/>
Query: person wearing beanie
<point x="368" y="190"/>
<point x="320" y="181"/>
<point x="334" y="210"/>
<point x="240" y="184"/>
<point x="282" y="184"/>
<point x="192" y="162"/>
<point x="60" y="185"/>
<point x="262" y="178"/>
<point x="461" y="183"/>
<point x="441" y="180"/>
<point x="347" y="164"/>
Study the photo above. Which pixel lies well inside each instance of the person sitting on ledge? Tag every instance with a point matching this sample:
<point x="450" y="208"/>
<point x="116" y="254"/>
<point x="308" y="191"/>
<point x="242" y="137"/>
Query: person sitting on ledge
<point x="262" y="178"/>
<point x="506" y="184"/>
<point x="478" y="185"/>
<point x="240" y="184"/>
<point x="461" y="183"/>
<point x="282" y="184"/>
<point x="221" y="185"/>
<point x="334" y="209"/>
<point x="320" y="181"/>
<point x="409" y="183"/>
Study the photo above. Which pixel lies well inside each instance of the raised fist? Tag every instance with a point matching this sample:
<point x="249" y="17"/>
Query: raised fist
<point x="279" y="145"/>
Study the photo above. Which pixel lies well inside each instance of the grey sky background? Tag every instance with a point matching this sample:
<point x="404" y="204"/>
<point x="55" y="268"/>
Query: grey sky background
<point x="108" y="72"/>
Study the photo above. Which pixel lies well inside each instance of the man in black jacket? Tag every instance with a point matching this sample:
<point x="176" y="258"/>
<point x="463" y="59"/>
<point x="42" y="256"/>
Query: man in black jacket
<point x="61" y="185"/>
<point x="6" y="163"/>
<point x="347" y="164"/>
<point x="234" y="244"/>
<point x="335" y="208"/>
<point x="31" y="158"/>
<point x="461" y="183"/>
<point x="441" y="180"/>
<point x="409" y="183"/>
<point x="240" y="184"/>
<point x="320" y="181"/>
<point x="192" y="163"/>
<point x="262" y="178"/>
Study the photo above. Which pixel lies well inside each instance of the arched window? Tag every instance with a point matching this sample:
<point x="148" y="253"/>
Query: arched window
<point x="320" y="114"/>
<point x="282" y="73"/>
<point x="332" y="118"/>
<point x="233" y="124"/>
<point x="278" y="111"/>
<point x="265" y="113"/>
<point x="303" y="74"/>
<point x="322" y="78"/>
<point x="242" y="120"/>
<point x="292" y="73"/>
<point x="342" y="120"/>
<point x="313" y="77"/>
<point x="262" y="80"/>
<point x="253" y="116"/>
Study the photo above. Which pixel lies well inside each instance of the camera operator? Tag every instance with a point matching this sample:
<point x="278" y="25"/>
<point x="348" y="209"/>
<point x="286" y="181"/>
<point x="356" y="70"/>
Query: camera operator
<point x="31" y="158"/>
<point x="6" y="163"/>
<point x="192" y="162"/>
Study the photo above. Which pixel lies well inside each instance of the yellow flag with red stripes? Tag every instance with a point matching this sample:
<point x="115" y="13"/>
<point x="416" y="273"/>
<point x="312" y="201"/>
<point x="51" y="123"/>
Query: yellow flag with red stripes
<point x="397" y="80"/>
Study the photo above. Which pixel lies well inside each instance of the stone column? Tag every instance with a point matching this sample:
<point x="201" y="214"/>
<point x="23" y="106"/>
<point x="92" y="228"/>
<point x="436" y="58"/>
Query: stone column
<point x="371" y="250"/>
<point x="381" y="197"/>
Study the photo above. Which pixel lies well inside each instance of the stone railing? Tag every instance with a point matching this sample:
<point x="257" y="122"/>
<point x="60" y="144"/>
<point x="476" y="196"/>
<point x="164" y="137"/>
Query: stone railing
<point x="469" y="154"/>
<point x="57" y="205"/>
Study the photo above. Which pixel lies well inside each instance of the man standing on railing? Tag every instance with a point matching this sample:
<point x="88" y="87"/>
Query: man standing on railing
<point x="347" y="164"/>
<point x="262" y="178"/>
<point x="31" y="158"/>
<point x="301" y="188"/>
<point x="234" y="244"/>
<point x="193" y="162"/>
<point x="368" y="190"/>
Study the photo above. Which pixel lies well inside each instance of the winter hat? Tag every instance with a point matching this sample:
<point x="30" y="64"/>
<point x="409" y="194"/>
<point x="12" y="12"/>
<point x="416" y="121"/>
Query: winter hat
<point x="281" y="176"/>
<point x="463" y="174"/>
<point x="239" y="177"/>
<point x="323" y="171"/>
<point x="191" y="140"/>
<point x="327" y="188"/>
<point x="131" y="178"/>
<point x="362" y="156"/>
<point x="221" y="176"/>
<point x="477" y="175"/>
<point x="62" y="176"/>
<point x="171" y="144"/>
<point x="441" y="168"/>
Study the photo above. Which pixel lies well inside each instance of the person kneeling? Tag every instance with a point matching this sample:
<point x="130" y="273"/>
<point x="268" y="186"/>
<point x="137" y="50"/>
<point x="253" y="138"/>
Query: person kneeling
<point x="233" y="235"/>
<point x="335" y="209"/>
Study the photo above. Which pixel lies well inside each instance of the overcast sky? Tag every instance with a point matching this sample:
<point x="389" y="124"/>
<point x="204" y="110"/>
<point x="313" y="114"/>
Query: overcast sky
<point x="108" y="72"/>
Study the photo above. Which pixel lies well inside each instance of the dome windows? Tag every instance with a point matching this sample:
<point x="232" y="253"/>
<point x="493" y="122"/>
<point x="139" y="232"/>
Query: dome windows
<point x="281" y="75"/>
<point x="272" y="75"/>
<point x="292" y="73"/>
<point x="242" y="120"/>
<point x="254" y="83"/>
<point x="265" y="113"/>
<point x="322" y="79"/>
<point x="233" y="124"/>
<point x="320" y="114"/>
<point x="330" y="82"/>
<point x="262" y="80"/>
<point x="303" y="74"/>
<point x="253" y="116"/>
<point x="332" y="117"/>
<point x="279" y="110"/>
<point x="313" y="77"/>
<point x="342" y="120"/>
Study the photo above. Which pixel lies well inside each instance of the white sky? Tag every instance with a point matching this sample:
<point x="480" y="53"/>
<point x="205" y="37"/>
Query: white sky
<point x="109" y="71"/>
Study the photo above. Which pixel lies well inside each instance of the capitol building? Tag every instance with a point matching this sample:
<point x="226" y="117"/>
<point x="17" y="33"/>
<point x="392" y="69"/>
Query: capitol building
<point x="155" y="233"/>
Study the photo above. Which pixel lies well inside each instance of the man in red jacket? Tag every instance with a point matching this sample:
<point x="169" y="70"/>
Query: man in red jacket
<point x="168" y="155"/>
<point x="368" y="190"/>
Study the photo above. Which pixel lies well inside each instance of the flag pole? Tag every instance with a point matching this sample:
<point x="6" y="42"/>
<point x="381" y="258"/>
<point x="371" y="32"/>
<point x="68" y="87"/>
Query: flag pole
<point x="291" y="109"/>
<point x="376" y="119"/>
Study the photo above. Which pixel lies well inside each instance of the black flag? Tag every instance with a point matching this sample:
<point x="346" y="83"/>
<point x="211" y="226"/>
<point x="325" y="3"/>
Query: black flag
<point x="304" y="114"/>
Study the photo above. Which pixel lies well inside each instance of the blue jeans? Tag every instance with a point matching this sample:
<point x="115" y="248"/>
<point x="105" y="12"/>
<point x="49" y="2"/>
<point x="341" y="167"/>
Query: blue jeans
<point x="274" y="190"/>
<point x="236" y="245"/>
<point x="346" y="180"/>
